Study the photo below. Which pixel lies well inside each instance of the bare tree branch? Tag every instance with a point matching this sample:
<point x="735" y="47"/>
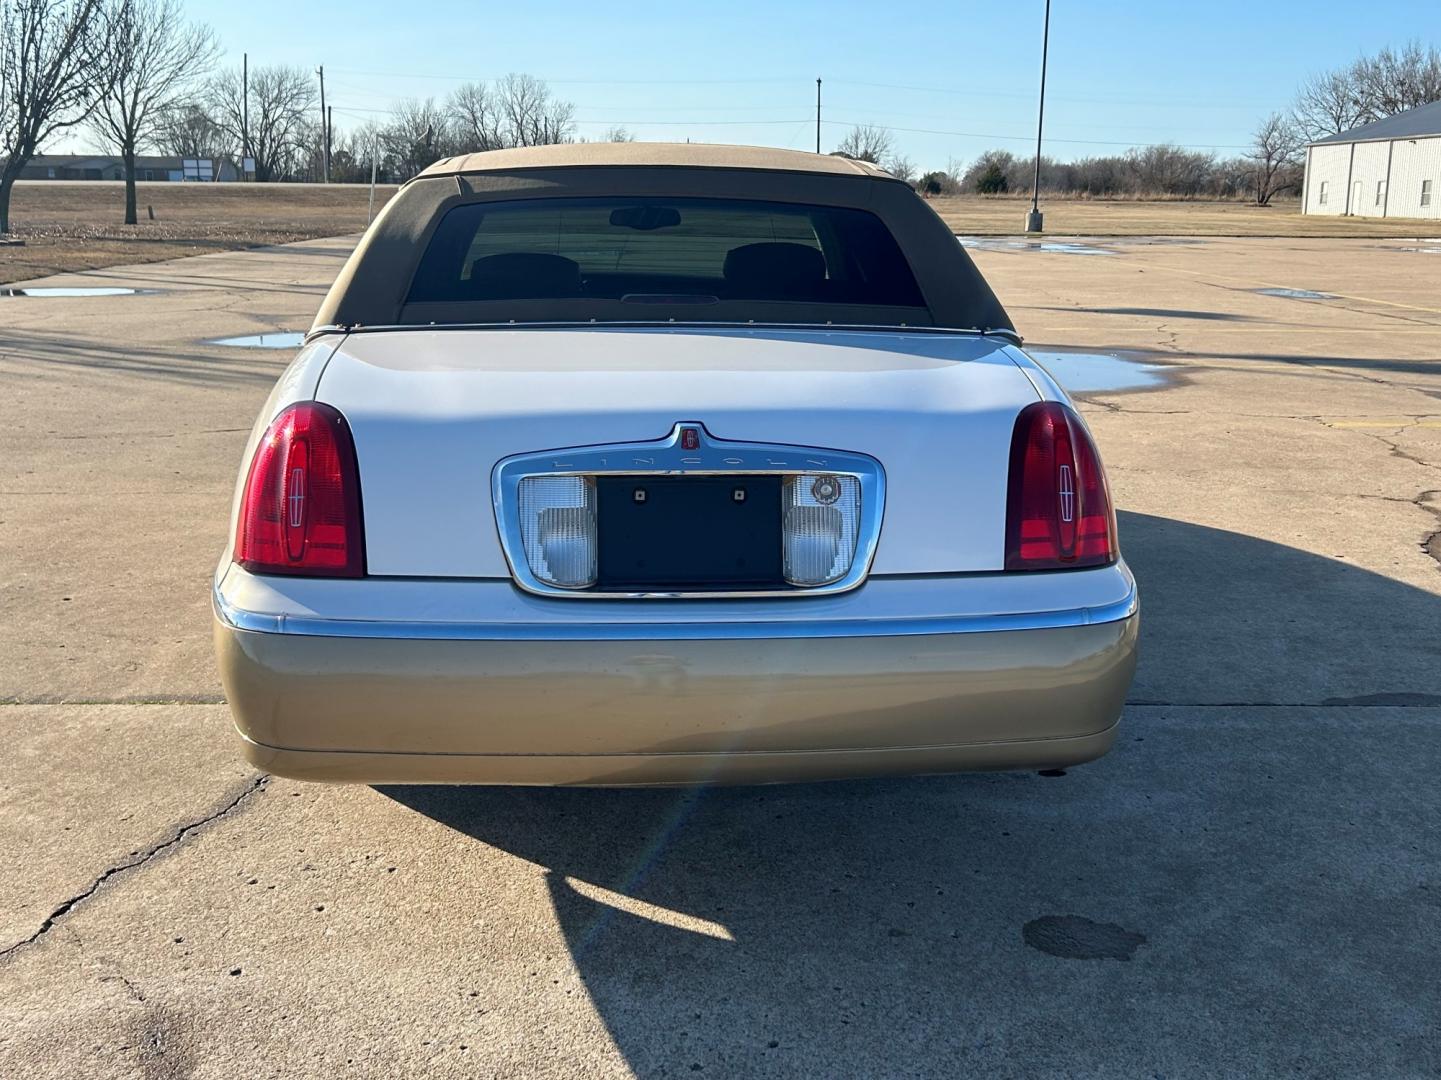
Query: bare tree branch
<point x="1276" y="156"/>
<point x="281" y="102"/>
<point x="866" y="142"/>
<point x="476" y="118"/>
<point x="153" y="56"/>
<point x="50" y="78"/>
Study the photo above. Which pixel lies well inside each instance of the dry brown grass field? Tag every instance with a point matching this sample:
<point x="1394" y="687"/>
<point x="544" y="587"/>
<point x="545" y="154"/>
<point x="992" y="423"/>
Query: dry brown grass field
<point x="987" y="216"/>
<point x="69" y="226"/>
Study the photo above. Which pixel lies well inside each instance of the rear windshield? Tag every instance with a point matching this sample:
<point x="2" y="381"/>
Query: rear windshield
<point x="648" y="252"/>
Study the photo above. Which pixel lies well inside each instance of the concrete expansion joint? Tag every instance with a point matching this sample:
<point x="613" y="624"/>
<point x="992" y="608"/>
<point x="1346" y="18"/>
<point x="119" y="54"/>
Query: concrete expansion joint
<point x="254" y="784"/>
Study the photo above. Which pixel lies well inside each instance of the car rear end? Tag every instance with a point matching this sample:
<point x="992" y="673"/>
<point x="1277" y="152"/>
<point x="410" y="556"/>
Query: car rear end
<point x="665" y="553"/>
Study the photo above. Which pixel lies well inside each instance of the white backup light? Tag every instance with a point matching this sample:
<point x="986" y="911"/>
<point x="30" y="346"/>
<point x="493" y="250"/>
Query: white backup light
<point x="557" y="529"/>
<point x="821" y="519"/>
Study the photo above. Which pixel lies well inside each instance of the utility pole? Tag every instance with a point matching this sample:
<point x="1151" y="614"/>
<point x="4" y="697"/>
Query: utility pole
<point x="1034" y="218"/>
<point x="329" y="129"/>
<point x="244" y="112"/>
<point x="818" y="116"/>
<point x="325" y="129"/>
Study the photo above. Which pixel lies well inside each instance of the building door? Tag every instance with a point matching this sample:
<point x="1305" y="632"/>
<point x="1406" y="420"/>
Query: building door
<point x="1356" y="196"/>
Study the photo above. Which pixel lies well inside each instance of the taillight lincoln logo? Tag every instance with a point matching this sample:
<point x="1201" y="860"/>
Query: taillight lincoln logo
<point x="296" y="498"/>
<point x="1067" y="492"/>
<point x="690" y="438"/>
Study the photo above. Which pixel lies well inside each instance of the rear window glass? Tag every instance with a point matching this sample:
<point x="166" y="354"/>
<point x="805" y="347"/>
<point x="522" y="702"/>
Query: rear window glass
<point x="654" y="250"/>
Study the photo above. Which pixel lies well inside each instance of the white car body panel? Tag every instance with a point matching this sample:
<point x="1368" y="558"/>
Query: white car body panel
<point x="432" y="411"/>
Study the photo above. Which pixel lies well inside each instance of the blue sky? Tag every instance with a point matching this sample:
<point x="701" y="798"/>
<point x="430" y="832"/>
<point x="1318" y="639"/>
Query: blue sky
<point x="1200" y="73"/>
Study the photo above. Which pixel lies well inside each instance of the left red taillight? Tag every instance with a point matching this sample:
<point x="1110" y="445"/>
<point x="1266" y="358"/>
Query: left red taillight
<point x="300" y="511"/>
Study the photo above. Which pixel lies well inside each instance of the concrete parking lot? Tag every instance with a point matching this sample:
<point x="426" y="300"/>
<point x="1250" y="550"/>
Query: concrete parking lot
<point x="1249" y="884"/>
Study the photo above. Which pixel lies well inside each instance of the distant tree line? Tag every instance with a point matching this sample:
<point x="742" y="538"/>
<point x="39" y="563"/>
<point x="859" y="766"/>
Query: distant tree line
<point x="1369" y="88"/>
<point x="140" y="77"/>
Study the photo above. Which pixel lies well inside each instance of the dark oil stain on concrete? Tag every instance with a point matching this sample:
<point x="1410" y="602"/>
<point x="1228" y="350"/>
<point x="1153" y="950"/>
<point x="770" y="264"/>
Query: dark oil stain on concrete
<point x="1072" y="937"/>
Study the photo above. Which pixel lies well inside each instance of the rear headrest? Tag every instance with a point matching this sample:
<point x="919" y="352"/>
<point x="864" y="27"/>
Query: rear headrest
<point x="763" y="271"/>
<point x="523" y="275"/>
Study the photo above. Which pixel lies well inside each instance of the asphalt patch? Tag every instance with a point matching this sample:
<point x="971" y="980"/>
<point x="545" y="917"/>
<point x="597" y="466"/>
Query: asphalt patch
<point x="1072" y="937"/>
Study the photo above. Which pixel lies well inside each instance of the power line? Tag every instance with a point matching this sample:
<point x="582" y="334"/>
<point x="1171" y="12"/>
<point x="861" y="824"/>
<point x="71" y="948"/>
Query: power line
<point x="477" y="77"/>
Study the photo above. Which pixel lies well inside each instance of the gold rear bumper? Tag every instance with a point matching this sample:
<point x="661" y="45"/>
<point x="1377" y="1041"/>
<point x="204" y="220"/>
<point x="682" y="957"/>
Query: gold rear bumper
<point x="387" y="710"/>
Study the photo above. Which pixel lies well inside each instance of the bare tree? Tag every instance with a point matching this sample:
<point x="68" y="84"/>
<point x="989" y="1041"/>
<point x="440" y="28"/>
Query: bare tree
<point x="1370" y="88"/>
<point x="532" y="117"/>
<point x="1328" y="104"/>
<point x="866" y="142"/>
<point x="281" y="101"/>
<point x="187" y="131"/>
<point x="1275" y="156"/>
<point x="153" y="56"/>
<point x="476" y="118"/>
<point x="902" y="168"/>
<point x="1393" y="81"/>
<point x="417" y="135"/>
<point x="617" y="134"/>
<point x="50" y="78"/>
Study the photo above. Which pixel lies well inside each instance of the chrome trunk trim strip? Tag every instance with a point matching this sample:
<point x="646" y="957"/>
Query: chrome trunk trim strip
<point x="317" y="626"/>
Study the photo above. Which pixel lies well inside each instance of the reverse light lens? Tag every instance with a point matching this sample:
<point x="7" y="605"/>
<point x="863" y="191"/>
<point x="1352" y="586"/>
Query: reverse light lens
<point x="557" y="529"/>
<point x="1059" y="512"/>
<point x="300" y="510"/>
<point x="821" y="524"/>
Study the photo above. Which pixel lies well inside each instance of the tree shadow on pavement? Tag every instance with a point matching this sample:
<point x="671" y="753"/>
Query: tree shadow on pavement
<point x="1233" y="890"/>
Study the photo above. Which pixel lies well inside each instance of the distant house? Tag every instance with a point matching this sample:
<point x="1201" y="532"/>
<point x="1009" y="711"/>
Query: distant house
<point x="111" y="167"/>
<point x="1391" y="168"/>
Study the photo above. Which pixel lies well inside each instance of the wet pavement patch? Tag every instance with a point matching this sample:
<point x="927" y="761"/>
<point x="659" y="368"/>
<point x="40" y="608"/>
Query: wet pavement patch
<point x="88" y="290"/>
<point x="282" y="339"/>
<point x="1296" y="294"/>
<point x="1058" y="247"/>
<point x="1082" y="372"/>
<point x="1072" y="937"/>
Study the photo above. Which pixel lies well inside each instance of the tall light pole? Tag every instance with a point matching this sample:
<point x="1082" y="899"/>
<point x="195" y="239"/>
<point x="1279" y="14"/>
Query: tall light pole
<point x="818" y="115"/>
<point x="1034" y="218"/>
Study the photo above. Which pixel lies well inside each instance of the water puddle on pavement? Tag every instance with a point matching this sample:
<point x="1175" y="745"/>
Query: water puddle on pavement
<point x="1058" y="247"/>
<point x="1295" y="294"/>
<point x="89" y="290"/>
<point x="283" y="339"/>
<point x="1082" y="372"/>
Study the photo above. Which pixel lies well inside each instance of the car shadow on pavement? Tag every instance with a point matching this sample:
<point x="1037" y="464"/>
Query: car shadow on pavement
<point x="1240" y="887"/>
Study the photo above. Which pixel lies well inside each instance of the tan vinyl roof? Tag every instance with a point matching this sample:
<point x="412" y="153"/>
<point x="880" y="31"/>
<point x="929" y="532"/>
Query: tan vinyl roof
<point x="689" y="155"/>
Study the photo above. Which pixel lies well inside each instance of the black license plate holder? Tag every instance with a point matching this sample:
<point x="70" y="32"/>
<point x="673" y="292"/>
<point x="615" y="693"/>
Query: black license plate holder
<point x="688" y="533"/>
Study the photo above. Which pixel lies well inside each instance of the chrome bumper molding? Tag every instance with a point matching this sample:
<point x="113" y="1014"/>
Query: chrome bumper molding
<point x="661" y="630"/>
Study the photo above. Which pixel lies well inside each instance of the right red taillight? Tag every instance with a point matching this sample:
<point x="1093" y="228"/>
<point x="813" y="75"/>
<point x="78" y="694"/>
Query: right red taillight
<point x="300" y="511"/>
<point x="1058" y="510"/>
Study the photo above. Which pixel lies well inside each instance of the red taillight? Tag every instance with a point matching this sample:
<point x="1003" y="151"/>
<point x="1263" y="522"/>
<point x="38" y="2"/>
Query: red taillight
<point x="300" y="512"/>
<point x="1058" y="513"/>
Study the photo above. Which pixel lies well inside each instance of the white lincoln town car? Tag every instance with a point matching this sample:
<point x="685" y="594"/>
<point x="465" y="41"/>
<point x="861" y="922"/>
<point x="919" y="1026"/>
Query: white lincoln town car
<point x="652" y="464"/>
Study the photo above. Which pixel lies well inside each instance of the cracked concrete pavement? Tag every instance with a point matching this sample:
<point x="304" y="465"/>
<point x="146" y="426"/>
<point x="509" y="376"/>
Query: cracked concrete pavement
<point x="1247" y="884"/>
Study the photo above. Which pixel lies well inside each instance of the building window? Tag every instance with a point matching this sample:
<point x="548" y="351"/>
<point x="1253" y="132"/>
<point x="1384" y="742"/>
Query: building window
<point x="1425" y="192"/>
<point x="1380" y="192"/>
<point x="1325" y="184"/>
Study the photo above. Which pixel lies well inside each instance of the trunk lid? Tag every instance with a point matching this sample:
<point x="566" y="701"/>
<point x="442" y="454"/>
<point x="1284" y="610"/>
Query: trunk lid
<point x="433" y="411"/>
